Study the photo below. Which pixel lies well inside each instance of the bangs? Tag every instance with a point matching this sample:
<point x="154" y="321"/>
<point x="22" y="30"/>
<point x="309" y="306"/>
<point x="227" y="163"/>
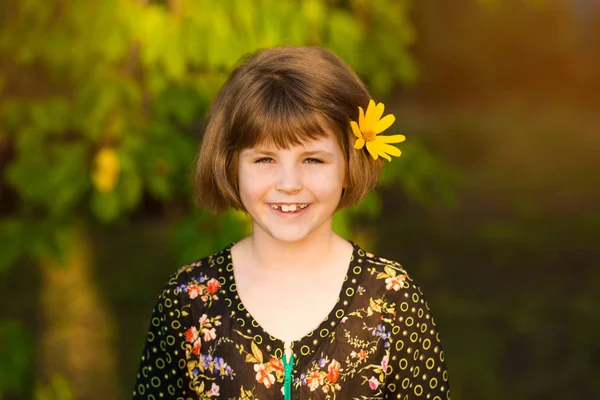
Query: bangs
<point x="282" y="114"/>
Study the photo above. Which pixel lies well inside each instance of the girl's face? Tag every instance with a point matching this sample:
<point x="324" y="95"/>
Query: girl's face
<point x="292" y="193"/>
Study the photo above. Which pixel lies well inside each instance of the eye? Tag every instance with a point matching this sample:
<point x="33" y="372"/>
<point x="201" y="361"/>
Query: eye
<point x="313" y="161"/>
<point x="264" y="160"/>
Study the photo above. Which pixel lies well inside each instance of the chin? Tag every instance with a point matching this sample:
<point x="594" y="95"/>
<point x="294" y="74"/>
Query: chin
<point x="289" y="232"/>
<point x="289" y="237"/>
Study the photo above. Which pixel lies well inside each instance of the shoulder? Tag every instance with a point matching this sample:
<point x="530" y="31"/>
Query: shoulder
<point x="390" y="276"/>
<point x="200" y="278"/>
<point x="412" y="310"/>
<point x="415" y="348"/>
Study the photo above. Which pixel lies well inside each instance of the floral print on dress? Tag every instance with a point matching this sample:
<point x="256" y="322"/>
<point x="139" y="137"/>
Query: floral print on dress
<point x="267" y="373"/>
<point x="207" y="292"/>
<point x="203" y="368"/>
<point x="379" y="341"/>
<point x="323" y="375"/>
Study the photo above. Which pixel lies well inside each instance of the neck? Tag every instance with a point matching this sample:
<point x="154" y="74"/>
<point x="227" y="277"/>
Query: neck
<point x="312" y="253"/>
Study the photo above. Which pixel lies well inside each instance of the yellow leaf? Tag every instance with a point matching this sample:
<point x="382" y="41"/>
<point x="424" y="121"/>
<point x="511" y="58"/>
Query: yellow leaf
<point x="250" y="358"/>
<point x="376" y="307"/>
<point x="390" y="271"/>
<point x="256" y="351"/>
<point x="191" y="365"/>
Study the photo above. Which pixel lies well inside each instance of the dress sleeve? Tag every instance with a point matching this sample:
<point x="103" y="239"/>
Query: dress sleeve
<point x="416" y="354"/>
<point x="162" y="373"/>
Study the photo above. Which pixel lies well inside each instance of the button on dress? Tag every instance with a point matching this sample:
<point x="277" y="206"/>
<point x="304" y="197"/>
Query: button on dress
<point x="378" y="342"/>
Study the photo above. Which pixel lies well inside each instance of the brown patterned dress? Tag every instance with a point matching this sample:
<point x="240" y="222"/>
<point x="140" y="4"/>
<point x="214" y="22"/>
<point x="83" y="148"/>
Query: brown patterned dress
<point x="378" y="342"/>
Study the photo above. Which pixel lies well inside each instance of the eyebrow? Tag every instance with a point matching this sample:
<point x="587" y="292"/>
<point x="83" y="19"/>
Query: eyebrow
<point x="323" y="153"/>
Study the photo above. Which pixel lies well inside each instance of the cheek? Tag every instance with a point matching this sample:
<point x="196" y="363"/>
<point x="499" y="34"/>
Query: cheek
<point x="328" y="183"/>
<point x="252" y="185"/>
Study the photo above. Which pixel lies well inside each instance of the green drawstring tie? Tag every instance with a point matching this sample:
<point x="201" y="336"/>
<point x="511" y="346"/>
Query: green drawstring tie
<point x="288" y="366"/>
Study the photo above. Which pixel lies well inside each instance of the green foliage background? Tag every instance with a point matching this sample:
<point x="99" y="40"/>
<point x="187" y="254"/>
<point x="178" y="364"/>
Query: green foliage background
<point x="500" y="231"/>
<point x="137" y="77"/>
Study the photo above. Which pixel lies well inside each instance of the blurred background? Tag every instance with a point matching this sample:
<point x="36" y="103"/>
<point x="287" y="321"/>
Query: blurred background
<point x="493" y="206"/>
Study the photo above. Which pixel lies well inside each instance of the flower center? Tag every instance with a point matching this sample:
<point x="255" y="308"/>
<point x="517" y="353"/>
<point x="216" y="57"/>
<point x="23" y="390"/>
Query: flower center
<point x="369" y="136"/>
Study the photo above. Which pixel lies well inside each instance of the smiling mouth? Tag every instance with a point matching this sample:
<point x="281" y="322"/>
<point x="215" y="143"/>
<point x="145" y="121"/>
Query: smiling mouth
<point x="289" y="208"/>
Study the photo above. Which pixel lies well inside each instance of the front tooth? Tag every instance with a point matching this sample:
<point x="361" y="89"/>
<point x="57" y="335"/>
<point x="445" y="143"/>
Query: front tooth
<point x="292" y="208"/>
<point x="285" y="208"/>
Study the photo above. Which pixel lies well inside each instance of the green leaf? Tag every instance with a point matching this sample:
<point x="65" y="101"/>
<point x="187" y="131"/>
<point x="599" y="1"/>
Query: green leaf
<point x="16" y="357"/>
<point x="423" y="177"/>
<point x="67" y="181"/>
<point x="371" y="205"/>
<point x="105" y="206"/>
<point x="341" y="223"/>
<point x="129" y="188"/>
<point x="13" y="239"/>
<point x="190" y="236"/>
<point x="345" y="37"/>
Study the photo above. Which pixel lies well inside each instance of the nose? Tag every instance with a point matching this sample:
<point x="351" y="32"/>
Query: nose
<point x="289" y="179"/>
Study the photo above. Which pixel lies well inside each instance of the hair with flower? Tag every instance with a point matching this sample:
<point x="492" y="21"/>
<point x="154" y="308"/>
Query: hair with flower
<point x="367" y="131"/>
<point x="285" y="96"/>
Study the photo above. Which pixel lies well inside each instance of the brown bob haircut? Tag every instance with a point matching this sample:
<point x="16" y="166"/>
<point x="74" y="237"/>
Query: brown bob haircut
<point x="283" y="96"/>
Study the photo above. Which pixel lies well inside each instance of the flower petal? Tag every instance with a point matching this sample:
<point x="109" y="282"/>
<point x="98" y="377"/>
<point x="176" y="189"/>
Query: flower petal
<point x="382" y="154"/>
<point x="391" y="138"/>
<point x="361" y="118"/>
<point x="377" y="114"/>
<point x="389" y="149"/>
<point x="379" y="148"/>
<point x="369" y="120"/>
<point x="372" y="149"/>
<point x="359" y="144"/>
<point x="355" y="129"/>
<point x="384" y="123"/>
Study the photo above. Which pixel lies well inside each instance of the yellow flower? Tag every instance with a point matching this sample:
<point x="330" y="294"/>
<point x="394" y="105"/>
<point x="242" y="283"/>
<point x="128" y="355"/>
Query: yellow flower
<point x="107" y="170"/>
<point x="369" y="126"/>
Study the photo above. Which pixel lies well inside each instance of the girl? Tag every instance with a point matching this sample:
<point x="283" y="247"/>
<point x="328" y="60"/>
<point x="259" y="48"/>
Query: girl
<point x="292" y="311"/>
